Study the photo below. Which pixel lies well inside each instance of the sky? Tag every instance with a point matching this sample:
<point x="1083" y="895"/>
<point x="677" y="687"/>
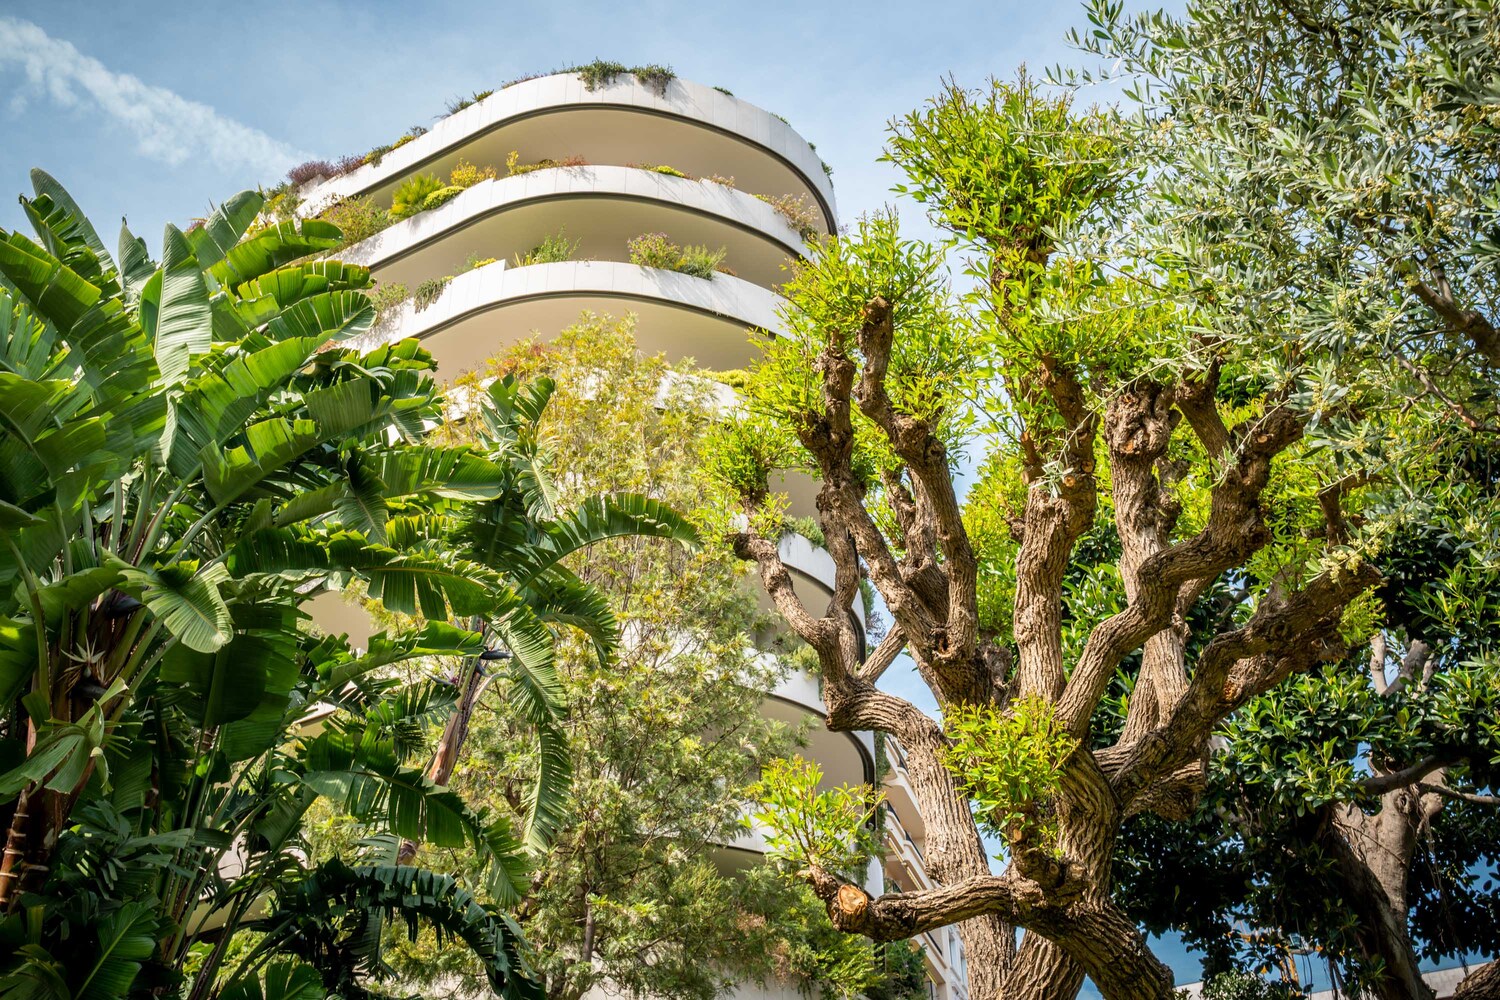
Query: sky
<point x="156" y="112"/>
<point x="159" y="116"/>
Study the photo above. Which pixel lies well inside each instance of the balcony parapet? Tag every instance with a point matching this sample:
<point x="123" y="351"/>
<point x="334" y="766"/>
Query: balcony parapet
<point x="705" y="108"/>
<point x="735" y="213"/>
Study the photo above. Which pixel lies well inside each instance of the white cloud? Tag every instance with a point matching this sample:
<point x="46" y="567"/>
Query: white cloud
<point x="166" y="126"/>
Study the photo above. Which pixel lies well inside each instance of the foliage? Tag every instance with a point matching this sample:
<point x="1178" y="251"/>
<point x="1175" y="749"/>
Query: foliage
<point x="514" y="166"/>
<point x="387" y="297"/>
<point x="1199" y="446"/>
<point x="658" y="168"/>
<point x="552" y="250"/>
<point x="657" y="250"/>
<point x="654" y="250"/>
<point x="1009" y="763"/>
<point x="600" y="73"/>
<point x="357" y="219"/>
<point x="701" y="262"/>
<point x="459" y="103"/>
<point x="429" y="291"/>
<point x="412" y="195"/>
<point x="304" y="172"/>
<point x="1240" y="986"/>
<point x="662" y="739"/>
<point x="195" y="454"/>
<point x="466" y="174"/>
<point x="808" y="528"/>
<point x="798" y="212"/>
<point x="809" y="825"/>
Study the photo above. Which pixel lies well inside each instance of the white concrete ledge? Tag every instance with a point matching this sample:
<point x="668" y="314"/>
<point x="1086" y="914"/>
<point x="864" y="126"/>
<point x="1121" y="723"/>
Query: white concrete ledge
<point x="598" y="208"/>
<point x="734" y="306"/>
<point x="693" y="104"/>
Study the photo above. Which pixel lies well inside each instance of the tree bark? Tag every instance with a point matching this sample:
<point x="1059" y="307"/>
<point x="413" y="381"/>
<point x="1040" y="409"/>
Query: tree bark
<point x="1373" y="855"/>
<point x="1481" y="984"/>
<point x="445" y="755"/>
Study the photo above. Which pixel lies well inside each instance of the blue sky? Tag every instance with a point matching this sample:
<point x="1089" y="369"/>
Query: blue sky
<point x="156" y="111"/>
<point x="113" y="116"/>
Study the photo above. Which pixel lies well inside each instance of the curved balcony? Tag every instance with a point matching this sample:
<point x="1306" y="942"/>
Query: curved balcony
<point x="598" y="208"/>
<point x="483" y="311"/>
<point x="693" y="128"/>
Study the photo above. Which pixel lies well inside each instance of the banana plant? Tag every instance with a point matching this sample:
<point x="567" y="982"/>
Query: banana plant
<point x="192" y="449"/>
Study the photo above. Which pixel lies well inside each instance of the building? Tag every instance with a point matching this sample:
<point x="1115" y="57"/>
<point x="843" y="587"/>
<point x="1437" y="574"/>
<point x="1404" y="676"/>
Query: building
<point x="594" y="161"/>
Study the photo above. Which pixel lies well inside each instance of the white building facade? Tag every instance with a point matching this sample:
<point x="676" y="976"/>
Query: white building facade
<point x="634" y="152"/>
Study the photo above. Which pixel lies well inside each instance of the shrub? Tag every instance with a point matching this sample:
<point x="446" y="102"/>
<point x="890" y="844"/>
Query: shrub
<point x="528" y="76"/>
<point x="551" y="250"/>
<point x="442" y="196"/>
<point x="513" y="166"/>
<point x="656" y="77"/>
<point x="375" y="155"/>
<point x="281" y="203"/>
<point x="659" y="168"/>
<point x="601" y="72"/>
<point x="459" y="103"/>
<point x="719" y="179"/>
<point x="410" y="198"/>
<point x="388" y="297"/>
<point x="474" y="262"/>
<point x="304" y="172"/>
<point x="725" y="91"/>
<point x="358" y="218"/>
<point x="808" y="528"/>
<point x="429" y="292"/>
<point x="797" y="211"/>
<point x="598" y="73"/>
<point x="465" y="174"/>
<point x="348" y="164"/>
<point x="701" y="262"/>
<point x="654" y="250"/>
<point x="1243" y="986"/>
<point x="827" y="170"/>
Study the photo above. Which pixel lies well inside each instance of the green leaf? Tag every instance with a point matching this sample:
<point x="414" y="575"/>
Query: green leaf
<point x="187" y="601"/>
<point x="224" y="226"/>
<point x="174" y="308"/>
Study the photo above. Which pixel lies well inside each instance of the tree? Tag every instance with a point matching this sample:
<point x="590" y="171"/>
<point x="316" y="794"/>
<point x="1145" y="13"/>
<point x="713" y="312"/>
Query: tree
<point x="1176" y="485"/>
<point x="1341" y="812"/>
<point x="665" y="736"/>
<point x="191" y="455"/>
<point x="1327" y="171"/>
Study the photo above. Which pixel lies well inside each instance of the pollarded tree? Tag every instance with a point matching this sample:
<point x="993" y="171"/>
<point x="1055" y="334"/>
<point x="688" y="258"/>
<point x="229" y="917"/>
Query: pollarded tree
<point x="1124" y="414"/>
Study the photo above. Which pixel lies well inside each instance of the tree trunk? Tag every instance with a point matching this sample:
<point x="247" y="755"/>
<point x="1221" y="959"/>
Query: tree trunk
<point x="1481" y="984"/>
<point x="1043" y="971"/>
<point x="1373" y="856"/>
<point x="955" y="852"/>
<point x="445" y="756"/>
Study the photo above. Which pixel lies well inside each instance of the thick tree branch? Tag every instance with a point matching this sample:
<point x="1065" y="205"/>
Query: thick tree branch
<point x="884" y="655"/>
<point x="1379" y="784"/>
<point x="1458" y="793"/>
<point x="1287" y="633"/>
<point x="1437" y="295"/>
<point x="1235" y="529"/>
<point x="1056" y="515"/>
